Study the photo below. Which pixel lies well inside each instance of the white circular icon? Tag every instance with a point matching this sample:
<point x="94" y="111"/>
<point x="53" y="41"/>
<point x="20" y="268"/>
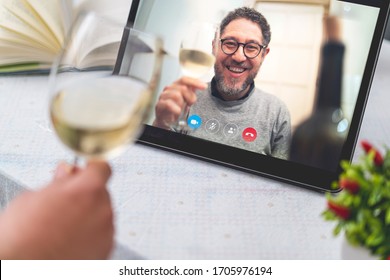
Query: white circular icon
<point x="212" y="126"/>
<point x="230" y="130"/>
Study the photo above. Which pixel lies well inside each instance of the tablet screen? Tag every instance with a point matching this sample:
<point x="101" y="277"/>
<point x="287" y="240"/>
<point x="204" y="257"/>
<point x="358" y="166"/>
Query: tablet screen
<point x="285" y="90"/>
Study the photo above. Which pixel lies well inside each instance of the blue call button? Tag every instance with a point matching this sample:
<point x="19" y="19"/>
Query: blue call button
<point x="194" y="121"/>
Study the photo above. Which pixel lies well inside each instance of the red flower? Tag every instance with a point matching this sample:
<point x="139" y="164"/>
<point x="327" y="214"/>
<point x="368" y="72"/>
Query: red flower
<point x="349" y="185"/>
<point x="341" y="211"/>
<point x="378" y="159"/>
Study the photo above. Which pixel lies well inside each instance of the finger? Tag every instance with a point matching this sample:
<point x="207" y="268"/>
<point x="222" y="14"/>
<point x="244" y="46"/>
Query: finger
<point x="195" y="84"/>
<point x="98" y="168"/>
<point x="174" y="94"/>
<point x="168" y="110"/>
<point x="185" y="92"/>
<point x="64" y="169"/>
<point x="191" y="85"/>
<point x="95" y="175"/>
<point x="186" y="87"/>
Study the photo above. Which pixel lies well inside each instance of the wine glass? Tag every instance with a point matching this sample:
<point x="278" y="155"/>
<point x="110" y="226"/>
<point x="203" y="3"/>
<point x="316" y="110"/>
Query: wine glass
<point x="196" y="59"/>
<point x="97" y="107"/>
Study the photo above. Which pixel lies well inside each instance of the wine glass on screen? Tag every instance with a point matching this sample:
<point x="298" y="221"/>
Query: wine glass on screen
<point x="196" y="59"/>
<point x="96" y="107"/>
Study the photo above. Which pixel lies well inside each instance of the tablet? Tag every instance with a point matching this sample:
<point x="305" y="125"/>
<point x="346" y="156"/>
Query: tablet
<point x="286" y="96"/>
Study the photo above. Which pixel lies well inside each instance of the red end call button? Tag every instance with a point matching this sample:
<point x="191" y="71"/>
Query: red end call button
<point x="249" y="134"/>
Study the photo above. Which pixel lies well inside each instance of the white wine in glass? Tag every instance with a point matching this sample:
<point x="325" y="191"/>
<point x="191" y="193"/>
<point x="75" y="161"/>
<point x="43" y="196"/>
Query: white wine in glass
<point x="95" y="111"/>
<point x="96" y="118"/>
<point x="195" y="63"/>
<point x="196" y="59"/>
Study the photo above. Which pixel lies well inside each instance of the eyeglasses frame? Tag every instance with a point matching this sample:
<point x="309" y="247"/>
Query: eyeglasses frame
<point x="243" y="47"/>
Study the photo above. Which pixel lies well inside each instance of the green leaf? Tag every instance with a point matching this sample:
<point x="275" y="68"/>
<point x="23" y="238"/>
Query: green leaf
<point x="337" y="229"/>
<point x="368" y="160"/>
<point x="374" y="239"/>
<point x="387" y="217"/>
<point x="356" y="201"/>
<point x="353" y="174"/>
<point x="347" y="200"/>
<point x="329" y="216"/>
<point x="352" y="239"/>
<point x="386" y="163"/>
<point x="375" y="196"/>
<point x="345" y="164"/>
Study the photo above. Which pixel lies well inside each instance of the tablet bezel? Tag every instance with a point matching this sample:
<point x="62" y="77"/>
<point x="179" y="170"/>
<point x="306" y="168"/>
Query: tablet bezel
<point x="267" y="166"/>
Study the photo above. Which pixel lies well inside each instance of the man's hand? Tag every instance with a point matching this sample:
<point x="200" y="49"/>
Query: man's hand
<point x="173" y="98"/>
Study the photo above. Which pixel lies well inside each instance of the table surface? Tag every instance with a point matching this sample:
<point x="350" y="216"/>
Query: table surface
<point x="169" y="206"/>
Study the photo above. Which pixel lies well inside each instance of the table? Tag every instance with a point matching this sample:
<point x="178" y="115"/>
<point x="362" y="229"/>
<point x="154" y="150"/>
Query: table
<point x="169" y="206"/>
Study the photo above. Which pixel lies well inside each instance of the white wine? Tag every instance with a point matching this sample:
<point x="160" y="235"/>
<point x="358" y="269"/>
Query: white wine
<point x="98" y="118"/>
<point x="195" y="63"/>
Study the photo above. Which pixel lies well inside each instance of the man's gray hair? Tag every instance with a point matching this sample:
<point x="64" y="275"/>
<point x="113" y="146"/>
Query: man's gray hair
<point x="252" y="15"/>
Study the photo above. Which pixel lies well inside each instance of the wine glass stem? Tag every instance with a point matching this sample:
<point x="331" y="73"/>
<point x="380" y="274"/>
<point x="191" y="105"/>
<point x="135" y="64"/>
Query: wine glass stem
<point x="182" y="120"/>
<point x="75" y="161"/>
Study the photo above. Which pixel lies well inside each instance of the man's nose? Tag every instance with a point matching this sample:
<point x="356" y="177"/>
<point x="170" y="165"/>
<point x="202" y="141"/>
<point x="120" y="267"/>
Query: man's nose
<point x="239" y="55"/>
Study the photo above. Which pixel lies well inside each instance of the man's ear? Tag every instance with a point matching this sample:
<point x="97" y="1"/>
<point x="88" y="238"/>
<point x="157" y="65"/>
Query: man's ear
<point x="265" y="52"/>
<point x="214" y="44"/>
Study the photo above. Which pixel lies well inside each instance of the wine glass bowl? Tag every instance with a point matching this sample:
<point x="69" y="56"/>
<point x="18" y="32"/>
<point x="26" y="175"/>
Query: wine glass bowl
<point x="196" y="55"/>
<point x="196" y="59"/>
<point x="96" y="110"/>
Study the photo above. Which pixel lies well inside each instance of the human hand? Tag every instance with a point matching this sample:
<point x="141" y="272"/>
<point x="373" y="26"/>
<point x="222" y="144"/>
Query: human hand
<point x="333" y="29"/>
<point x="173" y="98"/>
<point x="69" y="219"/>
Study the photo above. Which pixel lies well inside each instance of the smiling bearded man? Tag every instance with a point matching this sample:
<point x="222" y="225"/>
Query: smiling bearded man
<point x="231" y="109"/>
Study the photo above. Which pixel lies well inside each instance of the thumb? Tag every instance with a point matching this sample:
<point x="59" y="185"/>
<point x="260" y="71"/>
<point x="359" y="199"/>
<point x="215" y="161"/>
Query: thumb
<point x="64" y="170"/>
<point x="95" y="173"/>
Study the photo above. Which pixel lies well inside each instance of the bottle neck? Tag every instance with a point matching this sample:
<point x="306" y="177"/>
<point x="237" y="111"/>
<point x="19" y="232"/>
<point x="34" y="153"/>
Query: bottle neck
<point x="330" y="76"/>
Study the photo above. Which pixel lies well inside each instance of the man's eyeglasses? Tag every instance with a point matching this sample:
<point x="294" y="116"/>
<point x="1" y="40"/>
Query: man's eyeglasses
<point x="251" y="50"/>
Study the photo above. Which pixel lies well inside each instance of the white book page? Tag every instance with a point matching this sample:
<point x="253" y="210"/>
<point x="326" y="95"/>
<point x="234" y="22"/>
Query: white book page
<point x="50" y="13"/>
<point x="67" y="14"/>
<point x="19" y="49"/>
<point x="10" y="37"/>
<point x="117" y="10"/>
<point x="21" y="9"/>
<point x="18" y="29"/>
<point x="105" y="55"/>
<point x="109" y="35"/>
<point x="94" y="33"/>
<point x="10" y="54"/>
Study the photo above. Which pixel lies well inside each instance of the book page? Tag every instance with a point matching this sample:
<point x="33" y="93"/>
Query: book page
<point x="10" y="37"/>
<point x="105" y="34"/>
<point x="18" y="29"/>
<point x="117" y="10"/>
<point x="11" y="54"/>
<point x="15" y="49"/>
<point x="67" y="14"/>
<point x="51" y="14"/>
<point x="102" y="56"/>
<point x="24" y="12"/>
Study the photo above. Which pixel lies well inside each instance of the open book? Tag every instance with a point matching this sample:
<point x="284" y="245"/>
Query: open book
<point x="33" y="31"/>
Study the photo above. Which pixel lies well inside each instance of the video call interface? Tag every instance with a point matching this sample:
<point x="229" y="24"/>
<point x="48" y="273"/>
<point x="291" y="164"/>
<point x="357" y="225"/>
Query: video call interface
<point x="315" y="65"/>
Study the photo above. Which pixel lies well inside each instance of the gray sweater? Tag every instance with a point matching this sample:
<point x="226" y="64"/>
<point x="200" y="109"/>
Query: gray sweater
<point x="259" y="122"/>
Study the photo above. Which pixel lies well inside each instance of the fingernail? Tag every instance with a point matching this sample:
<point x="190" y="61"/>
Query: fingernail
<point x="63" y="170"/>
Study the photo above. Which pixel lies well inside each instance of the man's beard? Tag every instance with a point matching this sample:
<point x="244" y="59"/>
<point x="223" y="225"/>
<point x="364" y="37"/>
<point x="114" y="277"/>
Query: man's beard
<point x="232" y="86"/>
